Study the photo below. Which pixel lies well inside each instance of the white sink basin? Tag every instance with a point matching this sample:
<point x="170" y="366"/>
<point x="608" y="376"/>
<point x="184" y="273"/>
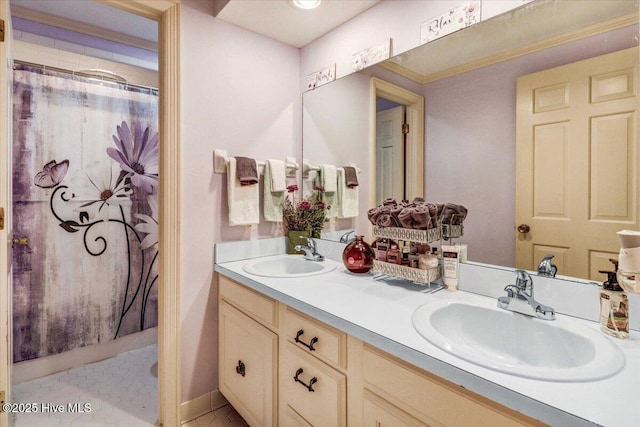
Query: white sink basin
<point x="287" y="266"/>
<point x="481" y="333"/>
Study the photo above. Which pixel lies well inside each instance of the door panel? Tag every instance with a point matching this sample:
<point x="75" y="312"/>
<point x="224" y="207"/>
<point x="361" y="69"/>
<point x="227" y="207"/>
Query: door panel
<point x="390" y="154"/>
<point x="5" y="204"/>
<point x="577" y="162"/>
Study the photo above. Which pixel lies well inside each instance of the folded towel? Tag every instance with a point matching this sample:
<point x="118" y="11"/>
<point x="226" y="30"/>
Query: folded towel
<point x="347" y="196"/>
<point x="386" y="220"/>
<point x="244" y="200"/>
<point x="329" y="178"/>
<point x="373" y="214"/>
<point x="278" y="181"/>
<point x="389" y="201"/>
<point x="272" y="201"/>
<point x="247" y="170"/>
<point x="350" y="176"/>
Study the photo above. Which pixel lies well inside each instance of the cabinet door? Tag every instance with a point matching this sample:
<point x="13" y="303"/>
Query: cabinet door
<point x="380" y="413"/>
<point x="248" y="374"/>
<point x="312" y="389"/>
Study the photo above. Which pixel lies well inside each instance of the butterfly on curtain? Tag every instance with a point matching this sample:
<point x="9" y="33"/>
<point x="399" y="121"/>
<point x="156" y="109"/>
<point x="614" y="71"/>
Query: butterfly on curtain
<point x="52" y="174"/>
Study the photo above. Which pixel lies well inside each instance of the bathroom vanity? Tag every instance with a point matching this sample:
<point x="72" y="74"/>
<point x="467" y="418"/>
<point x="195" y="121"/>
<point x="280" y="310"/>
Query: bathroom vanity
<point x="337" y="349"/>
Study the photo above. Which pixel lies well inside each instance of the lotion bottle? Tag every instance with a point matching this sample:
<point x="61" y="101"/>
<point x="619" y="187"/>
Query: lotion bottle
<point x="614" y="307"/>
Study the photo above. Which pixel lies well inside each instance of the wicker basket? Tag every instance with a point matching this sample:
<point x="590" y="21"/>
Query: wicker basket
<point x="451" y="231"/>
<point x="407" y="273"/>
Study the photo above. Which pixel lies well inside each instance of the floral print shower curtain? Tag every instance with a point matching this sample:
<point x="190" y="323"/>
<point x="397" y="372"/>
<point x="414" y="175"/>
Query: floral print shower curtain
<point x="85" y="194"/>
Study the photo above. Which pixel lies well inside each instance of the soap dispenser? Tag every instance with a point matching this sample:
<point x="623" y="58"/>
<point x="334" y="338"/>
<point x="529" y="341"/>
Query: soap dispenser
<point x="614" y="306"/>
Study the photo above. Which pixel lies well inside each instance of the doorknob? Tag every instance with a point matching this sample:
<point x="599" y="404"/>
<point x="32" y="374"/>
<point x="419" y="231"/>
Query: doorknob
<point x="524" y="228"/>
<point x="22" y="241"/>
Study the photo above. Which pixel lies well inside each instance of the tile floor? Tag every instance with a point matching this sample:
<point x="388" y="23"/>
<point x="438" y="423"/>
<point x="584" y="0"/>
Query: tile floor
<point x="120" y="392"/>
<point x="223" y="417"/>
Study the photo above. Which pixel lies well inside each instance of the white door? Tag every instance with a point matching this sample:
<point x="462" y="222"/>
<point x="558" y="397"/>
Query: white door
<point x="5" y="206"/>
<point x="578" y="163"/>
<point x="390" y="154"/>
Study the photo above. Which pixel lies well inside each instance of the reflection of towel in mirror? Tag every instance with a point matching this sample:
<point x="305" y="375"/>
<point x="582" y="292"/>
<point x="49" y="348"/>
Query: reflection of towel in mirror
<point x="327" y="178"/>
<point x="347" y="196"/>
<point x="244" y="200"/>
<point x="275" y="183"/>
<point x="350" y="176"/>
<point x="247" y="170"/>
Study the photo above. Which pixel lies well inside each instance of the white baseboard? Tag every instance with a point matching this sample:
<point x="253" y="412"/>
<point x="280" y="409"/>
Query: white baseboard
<point x="201" y="405"/>
<point x="48" y="365"/>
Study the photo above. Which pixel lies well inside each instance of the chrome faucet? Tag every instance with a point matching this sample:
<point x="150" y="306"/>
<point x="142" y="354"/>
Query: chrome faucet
<point x="309" y="249"/>
<point x="345" y="237"/>
<point x="520" y="299"/>
<point x="546" y="267"/>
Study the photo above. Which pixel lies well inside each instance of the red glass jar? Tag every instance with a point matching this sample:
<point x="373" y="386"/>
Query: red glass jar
<point x="358" y="256"/>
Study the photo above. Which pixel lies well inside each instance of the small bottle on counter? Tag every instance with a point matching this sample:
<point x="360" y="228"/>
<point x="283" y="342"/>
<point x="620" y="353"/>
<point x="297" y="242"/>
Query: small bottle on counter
<point x="394" y="256"/>
<point x="614" y="307"/>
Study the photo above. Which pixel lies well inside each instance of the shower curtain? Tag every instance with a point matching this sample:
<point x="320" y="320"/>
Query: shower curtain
<point x="85" y="194"/>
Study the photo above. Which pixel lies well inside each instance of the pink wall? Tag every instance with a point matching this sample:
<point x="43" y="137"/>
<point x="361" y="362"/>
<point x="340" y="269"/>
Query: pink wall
<point x="240" y="92"/>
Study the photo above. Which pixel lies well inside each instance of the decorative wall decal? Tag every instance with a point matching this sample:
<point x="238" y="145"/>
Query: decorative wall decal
<point x="90" y="270"/>
<point x="449" y="22"/>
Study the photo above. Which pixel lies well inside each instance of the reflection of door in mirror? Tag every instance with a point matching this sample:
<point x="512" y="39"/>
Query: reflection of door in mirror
<point x="390" y="177"/>
<point x="577" y="162"/>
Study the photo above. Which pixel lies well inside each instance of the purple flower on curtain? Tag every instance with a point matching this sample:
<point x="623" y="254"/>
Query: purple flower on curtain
<point x="149" y="224"/>
<point x="137" y="154"/>
<point x="105" y="186"/>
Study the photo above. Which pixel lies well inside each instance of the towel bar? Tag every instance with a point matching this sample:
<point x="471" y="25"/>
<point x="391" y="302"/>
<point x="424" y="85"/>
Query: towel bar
<point x="221" y="158"/>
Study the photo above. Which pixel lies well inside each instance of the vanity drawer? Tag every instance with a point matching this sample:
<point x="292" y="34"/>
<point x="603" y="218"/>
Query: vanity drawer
<point x="431" y="399"/>
<point x="315" y="338"/>
<point x="258" y="306"/>
<point x="319" y="395"/>
<point x="380" y="413"/>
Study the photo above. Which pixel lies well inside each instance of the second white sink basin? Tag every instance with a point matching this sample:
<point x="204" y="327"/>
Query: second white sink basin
<point x="481" y="333"/>
<point x="287" y="266"/>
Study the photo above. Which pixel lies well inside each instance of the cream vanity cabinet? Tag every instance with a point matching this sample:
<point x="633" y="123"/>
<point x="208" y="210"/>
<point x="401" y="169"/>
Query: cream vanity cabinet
<point x="280" y="367"/>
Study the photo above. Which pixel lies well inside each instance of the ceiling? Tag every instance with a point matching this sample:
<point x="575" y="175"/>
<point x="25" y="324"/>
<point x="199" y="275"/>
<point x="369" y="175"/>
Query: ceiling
<point x="94" y="14"/>
<point x="280" y="20"/>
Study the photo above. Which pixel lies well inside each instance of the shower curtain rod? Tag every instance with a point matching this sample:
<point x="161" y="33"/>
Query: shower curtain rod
<point x="88" y="74"/>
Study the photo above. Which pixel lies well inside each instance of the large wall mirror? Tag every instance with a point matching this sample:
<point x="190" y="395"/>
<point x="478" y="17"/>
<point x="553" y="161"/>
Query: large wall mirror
<point x="469" y="83"/>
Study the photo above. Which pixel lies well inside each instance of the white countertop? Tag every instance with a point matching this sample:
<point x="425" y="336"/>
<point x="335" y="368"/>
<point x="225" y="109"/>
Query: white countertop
<point x="379" y="313"/>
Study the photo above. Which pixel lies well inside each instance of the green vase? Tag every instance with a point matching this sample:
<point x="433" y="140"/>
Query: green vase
<point x="297" y="238"/>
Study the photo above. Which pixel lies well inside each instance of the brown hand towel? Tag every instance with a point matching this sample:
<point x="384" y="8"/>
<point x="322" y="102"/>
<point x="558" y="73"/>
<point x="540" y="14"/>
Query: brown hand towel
<point x="373" y="215"/>
<point x="421" y="217"/>
<point x="386" y="220"/>
<point x="433" y="213"/>
<point x="405" y="218"/>
<point x="247" y="170"/>
<point x="394" y="211"/>
<point x="389" y="201"/>
<point x="350" y="176"/>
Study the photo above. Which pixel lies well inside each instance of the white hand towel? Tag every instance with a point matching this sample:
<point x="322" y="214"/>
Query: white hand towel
<point x="329" y="178"/>
<point x="278" y="179"/>
<point x="272" y="200"/>
<point x="347" y="197"/>
<point x="244" y="200"/>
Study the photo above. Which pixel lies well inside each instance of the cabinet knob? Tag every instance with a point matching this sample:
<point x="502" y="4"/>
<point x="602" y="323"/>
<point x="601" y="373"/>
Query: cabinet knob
<point x="309" y="386"/>
<point x="22" y="241"/>
<point x="523" y="228"/>
<point x="310" y="346"/>
<point x="240" y="368"/>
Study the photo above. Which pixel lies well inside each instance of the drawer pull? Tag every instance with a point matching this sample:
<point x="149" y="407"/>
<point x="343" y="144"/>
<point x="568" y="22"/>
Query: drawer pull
<point x="240" y="369"/>
<point x="307" y="386"/>
<point x="311" y="343"/>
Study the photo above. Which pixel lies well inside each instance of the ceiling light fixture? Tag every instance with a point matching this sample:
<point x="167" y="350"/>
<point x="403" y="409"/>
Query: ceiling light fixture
<point x="306" y="4"/>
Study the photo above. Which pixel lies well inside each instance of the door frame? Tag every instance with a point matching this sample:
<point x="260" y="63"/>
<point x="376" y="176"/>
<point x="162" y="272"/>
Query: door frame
<point x="414" y="149"/>
<point x="167" y="14"/>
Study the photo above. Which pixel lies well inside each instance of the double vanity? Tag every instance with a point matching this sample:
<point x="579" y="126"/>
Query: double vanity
<point x="304" y="343"/>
